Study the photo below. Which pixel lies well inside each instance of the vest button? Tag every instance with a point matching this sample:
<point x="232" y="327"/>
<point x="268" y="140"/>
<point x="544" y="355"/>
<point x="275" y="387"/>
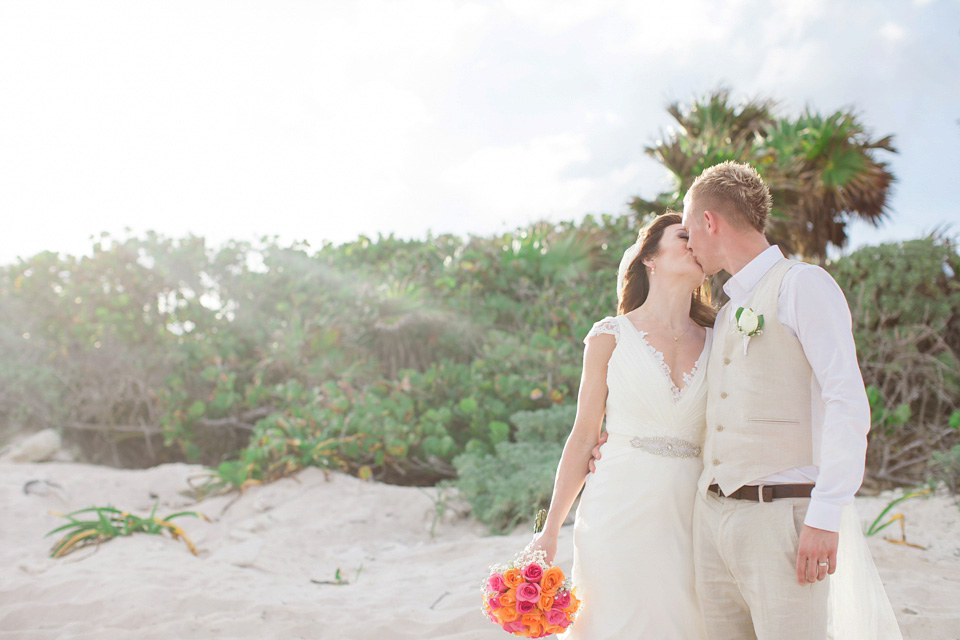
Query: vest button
<point x="715" y="462"/>
<point x="726" y="361"/>
<point x="723" y="394"/>
<point x="719" y="427"/>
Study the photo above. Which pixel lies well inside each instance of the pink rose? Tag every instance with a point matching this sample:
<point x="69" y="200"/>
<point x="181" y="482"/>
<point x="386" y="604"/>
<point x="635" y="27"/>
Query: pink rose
<point x="555" y="616"/>
<point x="494" y="602"/>
<point x="561" y="600"/>
<point x="516" y="625"/>
<point x="532" y="572"/>
<point x="565" y="623"/>
<point x="525" y="606"/>
<point x="495" y="583"/>
<point x="529" y="592"/>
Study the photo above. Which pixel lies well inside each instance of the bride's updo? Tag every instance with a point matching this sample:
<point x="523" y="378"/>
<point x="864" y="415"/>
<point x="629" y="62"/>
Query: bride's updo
<point x="636" y="283"/>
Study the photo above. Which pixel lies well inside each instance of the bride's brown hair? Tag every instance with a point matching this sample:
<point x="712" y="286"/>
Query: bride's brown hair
<point x="636" y="282"/>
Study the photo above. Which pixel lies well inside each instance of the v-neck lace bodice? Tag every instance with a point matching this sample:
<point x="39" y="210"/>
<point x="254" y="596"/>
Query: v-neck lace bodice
<point x="686" y="376"/>
<point x="642" y="397"/>
<point x="612" y="326"/>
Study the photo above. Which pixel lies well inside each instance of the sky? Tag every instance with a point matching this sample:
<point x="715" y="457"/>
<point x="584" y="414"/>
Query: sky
<point x="329" y="119"/>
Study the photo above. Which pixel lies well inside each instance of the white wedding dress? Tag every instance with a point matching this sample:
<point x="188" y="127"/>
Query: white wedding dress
<point x="633" y="549"/>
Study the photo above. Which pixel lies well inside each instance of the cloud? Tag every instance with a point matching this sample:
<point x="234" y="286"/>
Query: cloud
<point x="519" y="180"/>
<point x="892" y="32"/>
<point x="326" y="120"/>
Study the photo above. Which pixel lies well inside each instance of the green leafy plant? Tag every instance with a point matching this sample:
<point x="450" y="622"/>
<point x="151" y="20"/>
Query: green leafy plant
<point x="110" y="523"/>
<point x="883" y="418"/>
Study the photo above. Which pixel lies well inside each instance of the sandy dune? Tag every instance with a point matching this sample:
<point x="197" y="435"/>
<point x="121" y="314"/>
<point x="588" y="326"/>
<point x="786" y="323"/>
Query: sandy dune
<point x="264" y="558"/>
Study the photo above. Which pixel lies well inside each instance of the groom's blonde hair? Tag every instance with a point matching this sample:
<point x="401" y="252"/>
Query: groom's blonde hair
<point x="734" y="190"/>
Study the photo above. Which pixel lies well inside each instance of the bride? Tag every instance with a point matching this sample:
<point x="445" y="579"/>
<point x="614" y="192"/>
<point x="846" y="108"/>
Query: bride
<point x="645" y="370"/>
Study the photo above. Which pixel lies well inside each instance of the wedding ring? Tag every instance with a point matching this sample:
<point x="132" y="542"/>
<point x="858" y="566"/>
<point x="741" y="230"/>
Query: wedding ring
<point x="823" y="564"/>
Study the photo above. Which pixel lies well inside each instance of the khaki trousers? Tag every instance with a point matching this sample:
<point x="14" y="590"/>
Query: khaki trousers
<point x="745" y="554"/>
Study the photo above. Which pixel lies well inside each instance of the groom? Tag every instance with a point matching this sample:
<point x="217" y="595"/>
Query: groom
<point x="786" y="422"/>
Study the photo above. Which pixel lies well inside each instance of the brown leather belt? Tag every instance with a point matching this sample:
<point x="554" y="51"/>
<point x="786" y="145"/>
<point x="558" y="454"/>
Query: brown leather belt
<point x="770" y="492"/>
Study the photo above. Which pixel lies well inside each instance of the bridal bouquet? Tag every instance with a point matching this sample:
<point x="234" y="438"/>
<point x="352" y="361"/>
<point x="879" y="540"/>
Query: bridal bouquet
<point x="529" y="598"/>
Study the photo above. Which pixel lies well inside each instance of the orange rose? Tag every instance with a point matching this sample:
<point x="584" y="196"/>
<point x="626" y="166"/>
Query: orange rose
<point x="506" y="614"/>
<point x="531" y="618"/>
<point x="574" y="602"/>
<point x="551" y="581"/>
<point x="545" y="602"/>
<point x="508" y="598"/>
<point x="534" y="622"/>
<point x="512" y="577"/>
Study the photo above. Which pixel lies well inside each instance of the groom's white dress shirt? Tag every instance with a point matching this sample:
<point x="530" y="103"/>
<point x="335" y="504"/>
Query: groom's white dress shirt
<point x="812" y="307"/>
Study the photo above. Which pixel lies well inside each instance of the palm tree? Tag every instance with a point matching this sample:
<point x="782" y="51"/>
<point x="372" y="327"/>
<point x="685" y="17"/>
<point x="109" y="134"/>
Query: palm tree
<point x="833" y="176"/>
<point x="711" y="130"/>
<point x="822" y="171"/>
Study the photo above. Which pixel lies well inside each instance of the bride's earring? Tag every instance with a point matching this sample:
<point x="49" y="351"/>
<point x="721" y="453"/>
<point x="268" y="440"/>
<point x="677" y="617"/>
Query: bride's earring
<point x="653" y="269"/>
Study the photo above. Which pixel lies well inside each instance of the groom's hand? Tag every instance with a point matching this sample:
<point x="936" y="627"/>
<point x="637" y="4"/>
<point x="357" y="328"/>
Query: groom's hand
<point x="816" y="546"/>
<point x="592" y="465"/>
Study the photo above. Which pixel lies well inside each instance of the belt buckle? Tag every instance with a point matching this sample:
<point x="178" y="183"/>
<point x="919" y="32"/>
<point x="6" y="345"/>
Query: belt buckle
<point x="760" y="494"/>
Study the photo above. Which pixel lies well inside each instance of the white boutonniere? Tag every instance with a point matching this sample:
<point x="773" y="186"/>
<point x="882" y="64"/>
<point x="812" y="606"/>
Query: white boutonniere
<point x="749" y="323"/>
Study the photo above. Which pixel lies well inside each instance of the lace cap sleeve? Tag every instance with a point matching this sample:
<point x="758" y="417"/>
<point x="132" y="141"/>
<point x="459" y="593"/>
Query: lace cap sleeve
<point x="606" y="326"/>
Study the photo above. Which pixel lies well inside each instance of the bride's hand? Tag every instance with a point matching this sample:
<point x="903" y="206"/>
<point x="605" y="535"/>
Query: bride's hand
<point x="545" y="542"/>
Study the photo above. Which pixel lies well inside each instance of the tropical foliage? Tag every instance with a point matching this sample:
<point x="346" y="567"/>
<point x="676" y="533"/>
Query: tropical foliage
<point x="905" y="299"/>
<point x="386" y="358"/>
<point x="823" y="170"/>
<point x="409" y="361"/>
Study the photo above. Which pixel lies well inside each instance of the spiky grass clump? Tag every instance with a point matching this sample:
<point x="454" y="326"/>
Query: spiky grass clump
<point x="112" y="522"/>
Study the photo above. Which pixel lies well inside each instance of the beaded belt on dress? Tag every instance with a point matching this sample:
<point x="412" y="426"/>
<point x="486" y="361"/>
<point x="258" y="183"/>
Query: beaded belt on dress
<point x="659" y="445"/>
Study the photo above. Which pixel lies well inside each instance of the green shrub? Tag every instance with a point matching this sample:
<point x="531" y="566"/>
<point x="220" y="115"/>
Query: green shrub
<point x="551" y="425"/>
<point x="945" y="468"/>
<point x="905" y="301"/>
<point x="511" y="484"/>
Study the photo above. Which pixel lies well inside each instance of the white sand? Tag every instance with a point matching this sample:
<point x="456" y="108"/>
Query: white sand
<point x="259" y="558"/>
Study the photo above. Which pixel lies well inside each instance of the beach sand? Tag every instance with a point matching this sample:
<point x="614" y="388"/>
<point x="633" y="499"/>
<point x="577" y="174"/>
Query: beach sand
<point x="265" y="556"/>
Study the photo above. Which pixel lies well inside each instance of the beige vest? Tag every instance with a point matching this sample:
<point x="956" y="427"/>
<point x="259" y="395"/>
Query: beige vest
<point x="758" y="404"/>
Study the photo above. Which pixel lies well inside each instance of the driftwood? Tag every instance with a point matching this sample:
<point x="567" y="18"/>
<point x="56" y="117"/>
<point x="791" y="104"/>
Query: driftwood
<point x="243" y="423"/>
<point x="113" y="434"/>
<point x="116" y="433"/>
<point x="115" y="428"/>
